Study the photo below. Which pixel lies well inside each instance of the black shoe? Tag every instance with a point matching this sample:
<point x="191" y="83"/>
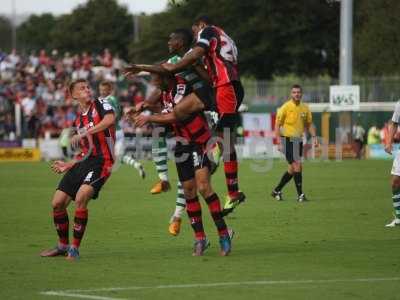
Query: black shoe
<point x="302" y="198"/>
<point x="277" y="195"/>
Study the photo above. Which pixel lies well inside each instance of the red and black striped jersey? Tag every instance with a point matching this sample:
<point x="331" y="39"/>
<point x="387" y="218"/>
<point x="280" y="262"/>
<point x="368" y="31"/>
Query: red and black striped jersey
<point x="195" y="128"/>
<point x="221" y="55"/>
<point x="100" y="144"/>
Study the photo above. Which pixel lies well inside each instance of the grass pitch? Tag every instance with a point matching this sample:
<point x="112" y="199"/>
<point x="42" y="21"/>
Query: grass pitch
<point x="333" y="247"/>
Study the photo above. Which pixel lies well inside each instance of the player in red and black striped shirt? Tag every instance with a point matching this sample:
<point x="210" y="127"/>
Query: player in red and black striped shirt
<point x="193" y="166"/>
<point x="184" y="102"/>
<point x="87" y="173"/>
<point x="219" y="53"/>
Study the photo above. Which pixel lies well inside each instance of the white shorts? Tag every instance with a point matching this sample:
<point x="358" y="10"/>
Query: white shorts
<point x="396" y="165"/>
<point x="119" y="143"/>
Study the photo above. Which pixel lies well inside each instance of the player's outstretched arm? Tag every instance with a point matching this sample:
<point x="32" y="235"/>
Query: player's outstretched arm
<point x="187" y="106"/>
<point x="202" y="72"/>
<point x="152" y="102"/>
<point x="189" y="59"/>
<point x="136" y="68"/>
<point x="168" y="118"/>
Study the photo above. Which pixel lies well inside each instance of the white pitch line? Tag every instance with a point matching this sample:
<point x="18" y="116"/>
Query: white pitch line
<point x="80" y="296"/>
<point x="72" y="293"/>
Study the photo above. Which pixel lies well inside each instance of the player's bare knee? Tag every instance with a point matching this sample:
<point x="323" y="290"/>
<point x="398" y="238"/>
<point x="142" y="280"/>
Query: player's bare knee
<point x="81" y="202"/>
<point x="396" y="182"/>
<point x="60" y="201"/>
<point x="57" y="205"/>
<point x="189" y="189"/>
<point x="204" y="188"/>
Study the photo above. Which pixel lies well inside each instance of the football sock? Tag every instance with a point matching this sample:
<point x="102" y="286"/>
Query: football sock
<point x="129" y="160"/>
<point x="160" y="155"/>
<point x="180" y="201"/>
<point x="215" y="209"/>
<point x="193" y="209"/>
<point x="396" y="201"/>
<point x="231" y="175"/>
<point x="81" y="218"/>
<point x="298" y="180"/>
<point x="61" y="223"/>
<point x="285" y="179"/>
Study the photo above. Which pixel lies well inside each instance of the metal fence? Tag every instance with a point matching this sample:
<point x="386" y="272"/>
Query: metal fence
<point x="372" y="89"/>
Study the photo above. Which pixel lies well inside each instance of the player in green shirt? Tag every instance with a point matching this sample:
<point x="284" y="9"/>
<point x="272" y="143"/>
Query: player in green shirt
<point x="106" y="90"/>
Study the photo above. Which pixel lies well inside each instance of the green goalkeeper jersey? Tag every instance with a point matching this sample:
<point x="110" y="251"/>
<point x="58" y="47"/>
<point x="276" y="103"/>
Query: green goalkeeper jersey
<point x="117" y="110"/>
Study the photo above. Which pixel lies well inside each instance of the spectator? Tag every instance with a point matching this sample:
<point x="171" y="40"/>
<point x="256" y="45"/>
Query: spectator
<point x="33" y="59"/>
<point x="374" y="136"/>
<point x="358" y="140"/>
<point x="43" y="58"/>
<point x="107" y="59"/>
<point x="68" y="62"/>
<point x="38" y="83"/>
<point x="86" y="61"/>
<point x="14" y="58"/>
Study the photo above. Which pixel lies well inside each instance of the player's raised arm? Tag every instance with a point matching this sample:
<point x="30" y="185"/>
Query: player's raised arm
<point x="168" y="118"/>
<point x="136" y="68"/>
<point x="189" y="59"/>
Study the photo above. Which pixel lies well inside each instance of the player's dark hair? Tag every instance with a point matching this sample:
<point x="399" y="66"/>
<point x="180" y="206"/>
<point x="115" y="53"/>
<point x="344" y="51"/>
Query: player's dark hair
<point x="203" y="18"/>
<point x="186" y="36"/>
<point x="75" y="82"/>
<point x="297" y="86"/>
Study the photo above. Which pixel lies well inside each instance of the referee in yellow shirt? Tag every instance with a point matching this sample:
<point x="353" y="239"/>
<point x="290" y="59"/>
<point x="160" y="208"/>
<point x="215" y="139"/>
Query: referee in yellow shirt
<point x="293" y="118"/>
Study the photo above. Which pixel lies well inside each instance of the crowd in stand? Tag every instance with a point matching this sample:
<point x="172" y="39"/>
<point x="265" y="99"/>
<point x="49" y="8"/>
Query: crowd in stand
<point x="39" y="82"/>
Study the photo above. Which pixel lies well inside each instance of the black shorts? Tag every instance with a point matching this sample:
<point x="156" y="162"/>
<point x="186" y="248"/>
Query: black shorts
<point x="88" y="171"/>
<point x="188" y="159"/>
<point x="293" y="149"/>
<point x="206" y="95"/>
<point x="239" y="91"/>
<point x="232" y="120"/>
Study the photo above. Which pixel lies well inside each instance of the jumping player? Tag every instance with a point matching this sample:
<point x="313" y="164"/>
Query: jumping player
<point x="184" y="102"/>
<point x="220" y="55"/>
<point x="87" y="173"/>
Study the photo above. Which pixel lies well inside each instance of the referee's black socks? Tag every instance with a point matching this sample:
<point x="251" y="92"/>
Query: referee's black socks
<point x="285" y="179"/>
<point x="298" y="181"/>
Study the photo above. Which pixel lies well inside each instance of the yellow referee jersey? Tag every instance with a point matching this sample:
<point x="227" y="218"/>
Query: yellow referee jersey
<point x="293" y="117"/>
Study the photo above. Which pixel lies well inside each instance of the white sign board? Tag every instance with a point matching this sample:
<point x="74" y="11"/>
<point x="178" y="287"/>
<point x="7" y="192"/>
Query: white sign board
<point x="258" y="134"/>
<point x="344" y="98"/>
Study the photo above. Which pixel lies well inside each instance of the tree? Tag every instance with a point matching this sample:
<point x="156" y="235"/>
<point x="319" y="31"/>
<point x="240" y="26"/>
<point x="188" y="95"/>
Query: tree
<point x="5" y="34"/>
<point x="377" y="37"/>
<point x="273" y="37"/>
<point x="35" y="33"/>
<point x="96" y="25"/>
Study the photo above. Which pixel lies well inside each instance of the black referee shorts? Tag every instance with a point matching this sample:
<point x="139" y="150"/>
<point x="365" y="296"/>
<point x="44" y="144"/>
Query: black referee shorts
<point x="292" y="148"/>
<point x="89" y="172"/>
<point x="188" y="159"/>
